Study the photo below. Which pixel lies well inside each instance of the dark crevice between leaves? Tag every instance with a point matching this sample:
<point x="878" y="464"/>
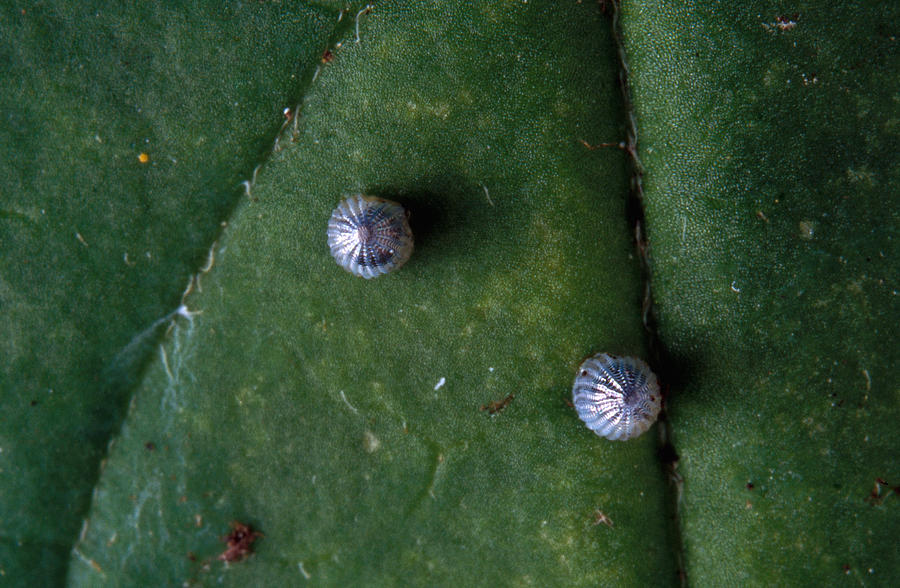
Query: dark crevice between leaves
<point x="660" y="359"/>
<point x="123" y="373"/>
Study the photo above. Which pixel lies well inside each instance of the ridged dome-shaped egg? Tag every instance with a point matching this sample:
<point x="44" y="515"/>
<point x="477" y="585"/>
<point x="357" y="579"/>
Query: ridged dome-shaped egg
<point x="369" y="236"/>
<point x="616" y="397"/>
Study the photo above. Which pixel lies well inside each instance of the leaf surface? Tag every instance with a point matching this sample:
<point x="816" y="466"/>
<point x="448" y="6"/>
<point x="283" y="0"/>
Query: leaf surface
<point x="96" y="243"/>
<point x="341" y="417"/>
<point x="770" y="143"/>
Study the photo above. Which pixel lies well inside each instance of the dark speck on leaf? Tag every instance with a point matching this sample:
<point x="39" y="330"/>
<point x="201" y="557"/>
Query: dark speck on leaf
<point x="239" y="542"/>
<point x="495" y="406"/>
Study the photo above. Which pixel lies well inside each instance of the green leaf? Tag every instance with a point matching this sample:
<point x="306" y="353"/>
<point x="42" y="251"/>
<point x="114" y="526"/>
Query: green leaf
<point x="341" y="417"/>
<point x="770" y="143"/>
<point x="344" y="419"/>
<point x="96" y="245"/>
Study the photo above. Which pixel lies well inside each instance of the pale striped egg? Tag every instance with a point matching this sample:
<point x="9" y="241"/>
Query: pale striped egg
<point x="369" y="236"/>
<point x="616" y="397"/>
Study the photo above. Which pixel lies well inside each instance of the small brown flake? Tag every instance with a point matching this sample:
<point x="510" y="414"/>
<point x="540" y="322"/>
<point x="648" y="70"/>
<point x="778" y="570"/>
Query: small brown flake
<point x="876" y="496"/>
<point x="619" y="145"/>
<point x="327" y="56"/>
<point x="783" y="23"/>
<point x="239" y="542"/>
<point x="600" y="518"/>
<point x="786" y="22"/>
<point x="495" y="406"/>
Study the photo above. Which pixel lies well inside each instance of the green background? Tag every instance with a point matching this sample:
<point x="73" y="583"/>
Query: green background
<point x="139" y="421"/>
<point x="772" y="182"/>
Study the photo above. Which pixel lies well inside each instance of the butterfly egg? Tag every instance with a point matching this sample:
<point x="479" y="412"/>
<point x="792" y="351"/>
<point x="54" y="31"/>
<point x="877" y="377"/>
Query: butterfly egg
<point x="369" y="236"/>
<point x="616" y="397"/>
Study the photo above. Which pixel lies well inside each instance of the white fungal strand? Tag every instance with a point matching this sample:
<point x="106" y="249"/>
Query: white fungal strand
<point x="369" y="236"/>
<point x="616" y="397"/>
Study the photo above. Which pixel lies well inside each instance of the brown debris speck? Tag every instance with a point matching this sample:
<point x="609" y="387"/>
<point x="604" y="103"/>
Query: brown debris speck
<point x="495" y="406"/>
<point x="239" y="542"/>
<point x="787" y="22"/>
<point x="876" y="497"/>
<point x="783" y="23"/>
<point x="619" y="145"/>
<point x="600" y="518"/>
